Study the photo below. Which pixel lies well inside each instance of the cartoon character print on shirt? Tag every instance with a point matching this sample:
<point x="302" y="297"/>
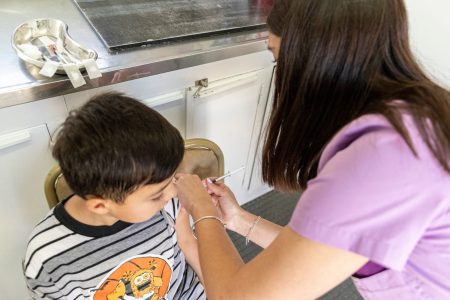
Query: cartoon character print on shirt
<point x="139" y="278"/>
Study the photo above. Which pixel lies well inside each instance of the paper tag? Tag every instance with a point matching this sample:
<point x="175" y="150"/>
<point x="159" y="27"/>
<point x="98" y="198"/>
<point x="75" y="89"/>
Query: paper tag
<point x="59" y="44"/>
<point x="31" y="51"/>
<point x="92" y="68"/>
<point x="47" y="47"/>
<point x="75" y="76"/>
<point x="46" y="41"/>
<point x="49" y="68"/>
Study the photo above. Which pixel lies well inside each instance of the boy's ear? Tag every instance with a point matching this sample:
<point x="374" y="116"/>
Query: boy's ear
<point x="98" y="205"/>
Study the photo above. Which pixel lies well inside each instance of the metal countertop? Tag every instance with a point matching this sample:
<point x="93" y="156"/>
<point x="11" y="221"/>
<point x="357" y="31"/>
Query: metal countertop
<point x="123" y="24"/>
<point x="20" y="83"/>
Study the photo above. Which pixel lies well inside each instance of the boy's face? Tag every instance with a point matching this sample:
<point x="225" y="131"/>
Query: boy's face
<point x="145" y="202"/>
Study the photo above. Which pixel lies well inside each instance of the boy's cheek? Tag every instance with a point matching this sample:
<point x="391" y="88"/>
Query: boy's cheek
<point x="170" y="193"/>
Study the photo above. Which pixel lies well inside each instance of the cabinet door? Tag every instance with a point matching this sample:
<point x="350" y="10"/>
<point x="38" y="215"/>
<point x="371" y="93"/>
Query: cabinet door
<point x="230" y="112"/>
<point x="172" y="106"/>
<point x="254" y="183"/>
<point x="25" y="159"/>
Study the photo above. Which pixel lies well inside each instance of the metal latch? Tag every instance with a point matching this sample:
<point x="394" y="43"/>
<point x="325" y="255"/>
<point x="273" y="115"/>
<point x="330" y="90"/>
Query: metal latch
<point x="200" y="84"/>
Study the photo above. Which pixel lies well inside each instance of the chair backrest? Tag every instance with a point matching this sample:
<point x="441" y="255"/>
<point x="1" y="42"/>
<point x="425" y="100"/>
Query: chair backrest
<point x="201" y="156"/>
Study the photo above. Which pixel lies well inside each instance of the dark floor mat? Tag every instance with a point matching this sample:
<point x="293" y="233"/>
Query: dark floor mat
<point x="278" y="207"/>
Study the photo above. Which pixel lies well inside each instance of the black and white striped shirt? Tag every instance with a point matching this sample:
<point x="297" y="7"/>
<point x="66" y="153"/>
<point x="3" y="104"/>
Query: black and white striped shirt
<point x="66" y="259"/>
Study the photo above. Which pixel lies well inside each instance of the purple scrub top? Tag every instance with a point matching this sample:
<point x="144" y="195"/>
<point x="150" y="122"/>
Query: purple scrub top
<point x="374" y="197"/>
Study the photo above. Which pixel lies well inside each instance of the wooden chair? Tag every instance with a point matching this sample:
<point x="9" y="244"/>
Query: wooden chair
<point x="202" y="157"/>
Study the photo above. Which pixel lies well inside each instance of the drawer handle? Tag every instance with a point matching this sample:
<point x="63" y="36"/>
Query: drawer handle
<point x="14" y="138"/>
<point x="213" y="88"/>
<point x="200" y="84"/>
<point x="164" y="99"/>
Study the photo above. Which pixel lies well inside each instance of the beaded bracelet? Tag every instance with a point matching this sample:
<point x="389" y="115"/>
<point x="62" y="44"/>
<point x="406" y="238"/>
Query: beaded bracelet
<point x="205" y="218"/>
<point x="247" y="239"/>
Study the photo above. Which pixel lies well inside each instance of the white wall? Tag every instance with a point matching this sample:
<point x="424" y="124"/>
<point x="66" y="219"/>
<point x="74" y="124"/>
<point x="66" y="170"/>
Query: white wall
<point x="430" y="36"/>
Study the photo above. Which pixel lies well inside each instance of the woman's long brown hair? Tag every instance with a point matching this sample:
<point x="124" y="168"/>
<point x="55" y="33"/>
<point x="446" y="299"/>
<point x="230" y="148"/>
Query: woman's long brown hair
<point x="338" y="61"/>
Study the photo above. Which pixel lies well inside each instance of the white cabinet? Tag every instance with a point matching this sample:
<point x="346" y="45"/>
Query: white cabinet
<point x="166" y="92"/>
<point x="25" y="159"/>
<point x="230" y="112"/>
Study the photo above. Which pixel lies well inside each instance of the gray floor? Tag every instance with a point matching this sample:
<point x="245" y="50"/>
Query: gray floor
<point x="277" y="207"/>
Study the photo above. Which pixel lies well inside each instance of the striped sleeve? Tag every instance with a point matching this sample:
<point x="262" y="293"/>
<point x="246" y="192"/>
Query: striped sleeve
<point x="46" y="244"/>
<point x="191" y="287"/>
<point x="49" y="239"/>
<point x="38" y="289"/>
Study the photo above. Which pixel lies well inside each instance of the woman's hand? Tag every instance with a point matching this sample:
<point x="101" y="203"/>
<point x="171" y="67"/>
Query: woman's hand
<point x="226" y="203"/>
<point x="193" y="195"/>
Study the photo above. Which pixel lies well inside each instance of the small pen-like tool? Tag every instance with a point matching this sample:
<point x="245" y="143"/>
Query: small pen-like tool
<point x="227" y="174"/>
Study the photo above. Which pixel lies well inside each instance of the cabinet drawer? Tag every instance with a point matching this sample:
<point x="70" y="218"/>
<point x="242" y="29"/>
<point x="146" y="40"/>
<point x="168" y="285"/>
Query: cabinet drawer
<point x="32" y="114"/>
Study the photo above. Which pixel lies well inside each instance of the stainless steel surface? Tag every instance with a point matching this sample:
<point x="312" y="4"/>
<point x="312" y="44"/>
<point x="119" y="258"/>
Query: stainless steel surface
<point x="124" y="24"/>
<point x="21" y="83"/>
<point x="31" y="33"/>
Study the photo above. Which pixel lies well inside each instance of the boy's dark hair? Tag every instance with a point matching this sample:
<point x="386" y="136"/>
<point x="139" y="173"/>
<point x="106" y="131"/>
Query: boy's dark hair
<point x="114" y="144"/>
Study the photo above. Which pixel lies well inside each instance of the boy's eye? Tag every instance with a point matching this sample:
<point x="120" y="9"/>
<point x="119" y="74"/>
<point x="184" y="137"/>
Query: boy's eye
<point x="156" y="198"/>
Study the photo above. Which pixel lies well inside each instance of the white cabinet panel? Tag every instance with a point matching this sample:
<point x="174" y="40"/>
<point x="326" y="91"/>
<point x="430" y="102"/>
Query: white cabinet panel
<point x="17" y="117"/>
<point x="256" y="187"/>
<point x="178" y="81"/>
<point x="230" y="112"/>
<point x="171" y="105"/>
<point x="25" y="159"/>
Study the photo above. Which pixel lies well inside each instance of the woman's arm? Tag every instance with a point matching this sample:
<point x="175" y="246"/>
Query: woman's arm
<point x="291" y="267"/>
<point x="263" y="232"/>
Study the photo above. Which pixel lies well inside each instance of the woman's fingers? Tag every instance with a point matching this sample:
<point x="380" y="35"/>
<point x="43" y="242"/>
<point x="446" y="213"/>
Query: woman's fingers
<point x="217" y="188"/>
<point x="191" y="191"/>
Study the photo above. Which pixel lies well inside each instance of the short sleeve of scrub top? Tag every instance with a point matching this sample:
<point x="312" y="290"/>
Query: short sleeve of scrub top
<point x="373" y="196"/>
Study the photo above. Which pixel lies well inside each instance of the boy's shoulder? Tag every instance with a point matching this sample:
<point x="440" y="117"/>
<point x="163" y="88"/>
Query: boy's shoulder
<point x="45" y="232"/>
<point x="54" y="239"/>
<point x="51" y="226"/>
<point x="43" y="228"/>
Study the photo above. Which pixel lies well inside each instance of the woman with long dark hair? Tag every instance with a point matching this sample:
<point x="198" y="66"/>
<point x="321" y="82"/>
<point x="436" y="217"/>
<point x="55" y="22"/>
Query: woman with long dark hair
<point x="358" y="126"/>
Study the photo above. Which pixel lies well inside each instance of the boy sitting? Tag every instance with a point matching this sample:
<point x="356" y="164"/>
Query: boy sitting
<point x="115" y="237"/>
